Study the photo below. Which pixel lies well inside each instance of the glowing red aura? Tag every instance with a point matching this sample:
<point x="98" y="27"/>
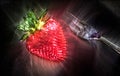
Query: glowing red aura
<point x="49" y="42"/>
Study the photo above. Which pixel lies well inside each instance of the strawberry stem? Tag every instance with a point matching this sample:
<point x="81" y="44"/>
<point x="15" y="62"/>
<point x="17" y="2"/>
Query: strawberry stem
<point x="30" y="23"/>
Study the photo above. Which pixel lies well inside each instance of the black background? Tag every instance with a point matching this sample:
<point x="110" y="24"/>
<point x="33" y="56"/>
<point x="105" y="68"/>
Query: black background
<point x="107" y="62"/>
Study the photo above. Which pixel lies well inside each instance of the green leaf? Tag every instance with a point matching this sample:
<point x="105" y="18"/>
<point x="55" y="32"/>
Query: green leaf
<point x="24" y="37"/>
<point x="42" y="13"/>
<point x="29" y="23"/>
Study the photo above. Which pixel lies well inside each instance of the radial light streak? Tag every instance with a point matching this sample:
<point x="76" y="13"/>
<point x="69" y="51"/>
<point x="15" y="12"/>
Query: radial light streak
<point x="79" y="27"/>
<point x="44" y="67"/>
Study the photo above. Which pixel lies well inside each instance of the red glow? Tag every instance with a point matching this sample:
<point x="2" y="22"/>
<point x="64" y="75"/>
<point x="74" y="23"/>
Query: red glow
<point x="48" y="43"/>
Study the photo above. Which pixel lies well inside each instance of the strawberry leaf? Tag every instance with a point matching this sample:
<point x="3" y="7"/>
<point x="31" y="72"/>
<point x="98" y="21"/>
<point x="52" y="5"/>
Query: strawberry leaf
<point x="30" y="23"/>
<point x="24" y="37"/>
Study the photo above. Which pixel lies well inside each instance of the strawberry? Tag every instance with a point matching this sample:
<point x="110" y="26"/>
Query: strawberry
<point x="49" y="42"/>
<point x="44" y="37"/>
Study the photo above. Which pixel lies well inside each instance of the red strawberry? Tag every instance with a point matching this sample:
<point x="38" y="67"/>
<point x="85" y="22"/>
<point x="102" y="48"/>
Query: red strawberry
<point x="49" y="42"/>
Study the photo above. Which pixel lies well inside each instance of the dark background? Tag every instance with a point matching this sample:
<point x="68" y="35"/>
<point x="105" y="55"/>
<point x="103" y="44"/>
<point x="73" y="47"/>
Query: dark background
<point x="105" y="17"/>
